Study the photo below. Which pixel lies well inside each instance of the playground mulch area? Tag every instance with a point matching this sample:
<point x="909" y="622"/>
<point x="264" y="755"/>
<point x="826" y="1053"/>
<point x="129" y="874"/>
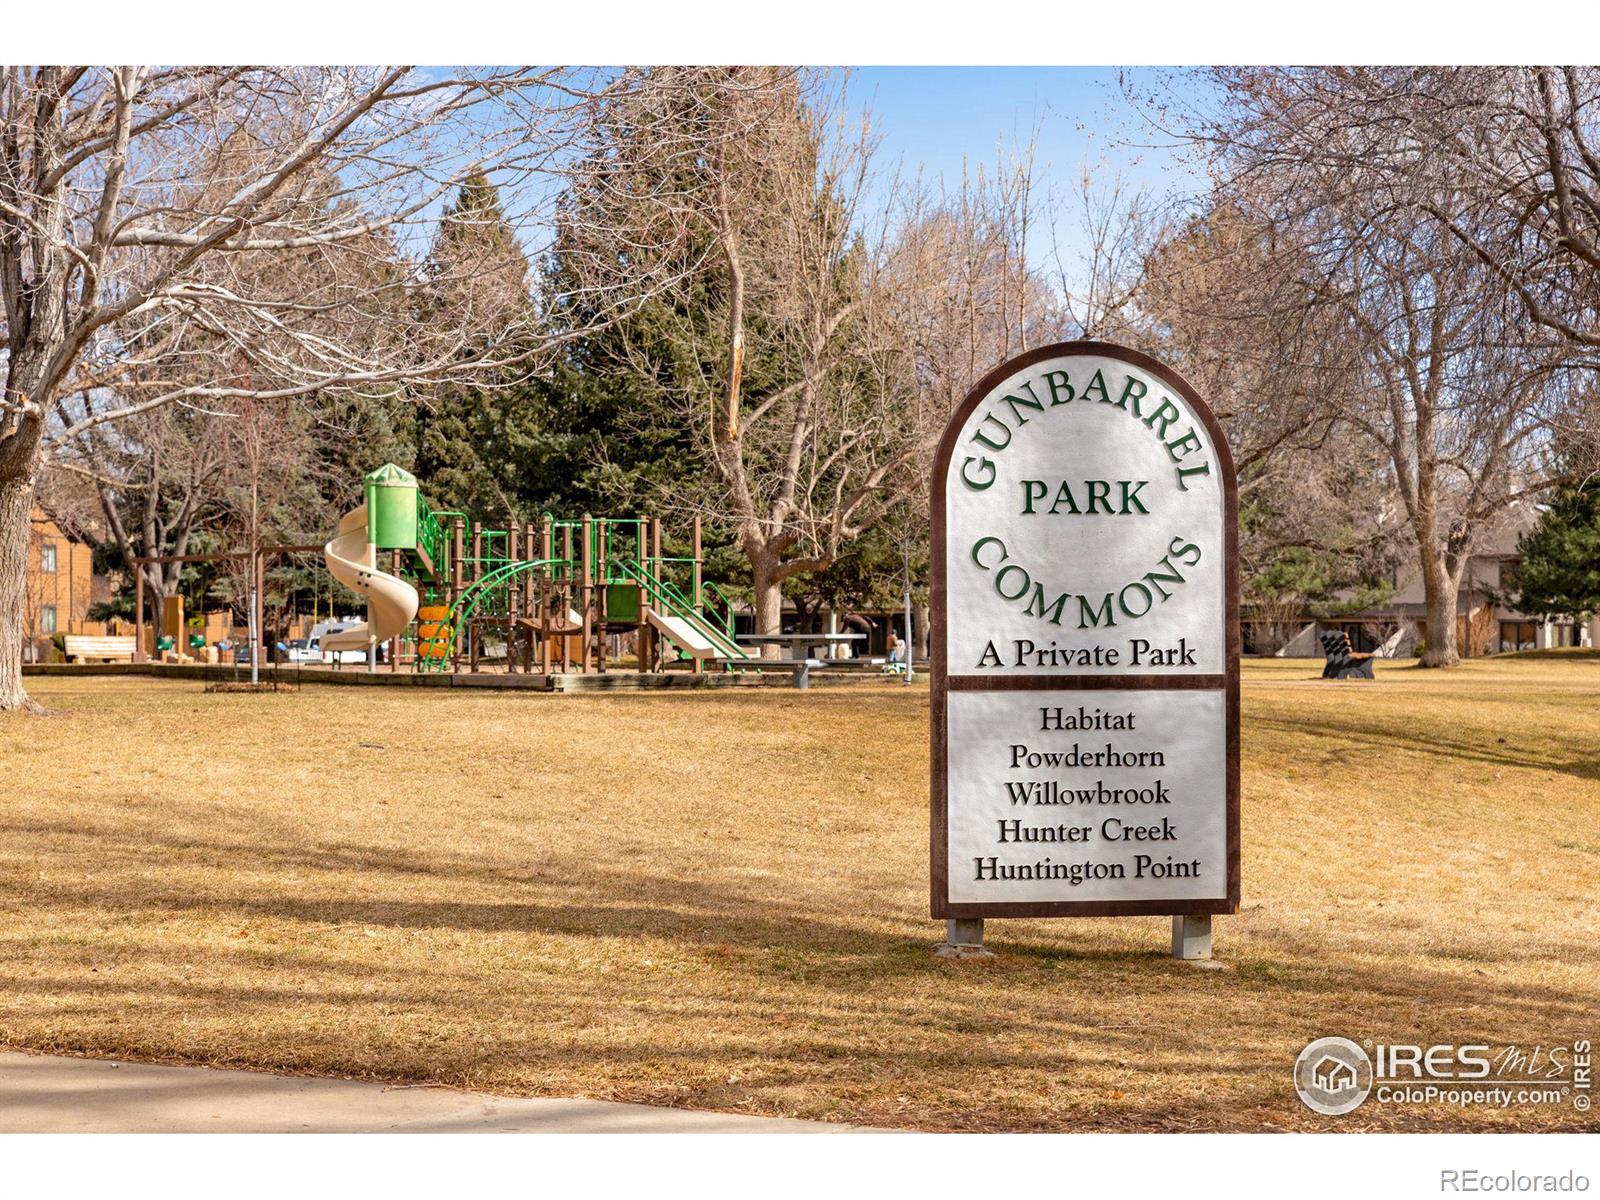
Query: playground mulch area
<point x="719" y="900"/>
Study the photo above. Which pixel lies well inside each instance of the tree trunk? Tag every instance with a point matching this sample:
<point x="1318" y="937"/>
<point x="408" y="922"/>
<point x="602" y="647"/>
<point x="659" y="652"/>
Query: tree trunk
<point x="921" y="631"/>
<point x="768" y="588"/>
<point x="16" y="509"/>
<point x="1439" y="588"/>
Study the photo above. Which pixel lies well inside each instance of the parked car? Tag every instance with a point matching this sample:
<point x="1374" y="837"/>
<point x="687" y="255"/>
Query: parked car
<point x="309" y="649"/>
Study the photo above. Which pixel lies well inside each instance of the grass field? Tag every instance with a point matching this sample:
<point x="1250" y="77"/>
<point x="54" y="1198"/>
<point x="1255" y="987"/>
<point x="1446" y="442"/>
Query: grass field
<point x="720" y="900"/>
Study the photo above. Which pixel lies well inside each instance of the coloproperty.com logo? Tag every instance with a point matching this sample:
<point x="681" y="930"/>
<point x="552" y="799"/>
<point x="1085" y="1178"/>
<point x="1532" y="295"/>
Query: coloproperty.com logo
<point x="1335" y="1075"/>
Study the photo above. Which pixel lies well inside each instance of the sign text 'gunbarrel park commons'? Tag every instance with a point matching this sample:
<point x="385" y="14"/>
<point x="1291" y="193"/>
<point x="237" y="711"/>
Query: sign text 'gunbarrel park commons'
<point x="1085" y="620"/>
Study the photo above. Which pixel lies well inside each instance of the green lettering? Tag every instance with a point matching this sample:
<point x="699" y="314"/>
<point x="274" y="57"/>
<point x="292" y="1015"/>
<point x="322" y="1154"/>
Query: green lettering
<point x="984" y="464"/>
<point x="979" y="436"/>
<point x="1129" y="394"/>
<point x="999" y="582"/>
<point x="984" y="541"/>
<point x="1122" y="600"/>
<point x="1089" y="615"/>
<point x="1182" y="550"/>
<point x="1170" y="575"/>
<point x="1191" y="442"/>
<point x="1052" y="612"/>
<point x="1031" y="402"/>
<point x="1065" y="494"/>
<point x="1166" y="412"/>
<point x="1056" y="388"/>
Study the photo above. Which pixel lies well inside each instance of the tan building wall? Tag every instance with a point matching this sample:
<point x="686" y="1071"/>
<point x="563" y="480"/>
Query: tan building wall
<point x="59" y="585"/>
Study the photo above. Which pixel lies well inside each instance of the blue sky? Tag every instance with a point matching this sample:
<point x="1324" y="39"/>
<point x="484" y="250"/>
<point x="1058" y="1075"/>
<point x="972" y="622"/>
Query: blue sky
<point x="936" y="119"/>
<point x="936" y="116"/>
<point x="940" y="118"/>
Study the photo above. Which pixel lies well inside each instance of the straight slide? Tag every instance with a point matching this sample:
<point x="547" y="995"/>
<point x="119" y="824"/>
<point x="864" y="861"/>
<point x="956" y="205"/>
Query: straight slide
<point x="391" y="601"/>
<point x="690" y="639"/>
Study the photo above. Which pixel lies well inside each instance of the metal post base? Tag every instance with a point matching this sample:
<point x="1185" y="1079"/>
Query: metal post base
<point x="1191" y="940"/>
<point x="963" y="938"/>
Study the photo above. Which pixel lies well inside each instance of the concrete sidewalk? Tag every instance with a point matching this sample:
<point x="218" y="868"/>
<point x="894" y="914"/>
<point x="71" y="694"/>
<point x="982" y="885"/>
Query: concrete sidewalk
<point x="44" y="1094"/>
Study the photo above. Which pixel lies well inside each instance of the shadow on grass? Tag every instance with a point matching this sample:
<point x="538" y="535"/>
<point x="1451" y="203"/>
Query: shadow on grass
<point x="844" y="1012"/>
<point x="784" y="944"/>
<point x="1378" y="735"/>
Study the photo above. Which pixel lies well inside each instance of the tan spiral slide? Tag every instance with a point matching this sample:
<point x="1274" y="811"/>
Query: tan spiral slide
<point x="391" y="601"/>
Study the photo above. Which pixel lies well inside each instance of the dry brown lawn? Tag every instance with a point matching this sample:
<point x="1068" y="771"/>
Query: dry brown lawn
<point x="720" y="900"/>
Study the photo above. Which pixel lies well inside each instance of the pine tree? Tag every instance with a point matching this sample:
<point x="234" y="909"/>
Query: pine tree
<point x="1560" y="569"/>
<point x="469" y="438"/>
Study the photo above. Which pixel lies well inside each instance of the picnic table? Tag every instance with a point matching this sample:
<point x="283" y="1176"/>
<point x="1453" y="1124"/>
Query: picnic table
<point x="806" y="650"/>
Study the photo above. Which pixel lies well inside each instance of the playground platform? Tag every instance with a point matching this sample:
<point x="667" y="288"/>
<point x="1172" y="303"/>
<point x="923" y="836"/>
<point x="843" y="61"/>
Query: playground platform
<point x="611" y="681"/>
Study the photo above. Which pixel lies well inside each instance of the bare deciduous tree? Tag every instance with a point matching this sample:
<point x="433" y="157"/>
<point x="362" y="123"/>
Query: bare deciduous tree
<point x="1102" y="283"/>
<point x="154" y="476"/>
<point x="1440" y="375"/>
<point x="1505" y="159"/>
<point x="772" y="350"/>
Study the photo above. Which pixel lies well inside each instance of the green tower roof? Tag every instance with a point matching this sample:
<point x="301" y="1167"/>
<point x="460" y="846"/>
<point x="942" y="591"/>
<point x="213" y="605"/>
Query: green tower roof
<point x="390" y="475"/>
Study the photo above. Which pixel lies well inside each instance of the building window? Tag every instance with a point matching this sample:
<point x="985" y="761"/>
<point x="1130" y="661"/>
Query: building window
<point x="1250" y="637"/>
<point x="1516" y="635"/>
<point x="47" y="558"/>
<point x="47" y="618"/>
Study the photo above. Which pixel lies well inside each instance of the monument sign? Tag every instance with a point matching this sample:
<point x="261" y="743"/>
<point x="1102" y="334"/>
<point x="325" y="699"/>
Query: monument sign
<point x="1085" y="648"/>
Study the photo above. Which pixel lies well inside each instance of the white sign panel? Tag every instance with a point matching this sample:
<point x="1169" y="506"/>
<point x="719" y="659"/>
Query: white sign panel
<point x="1085" y="644"/>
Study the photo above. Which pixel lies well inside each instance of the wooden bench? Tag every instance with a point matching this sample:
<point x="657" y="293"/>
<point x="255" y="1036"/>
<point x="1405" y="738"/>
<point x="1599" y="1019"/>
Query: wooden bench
<point x="98" y="649"/>
<point x="1343" y="661"/>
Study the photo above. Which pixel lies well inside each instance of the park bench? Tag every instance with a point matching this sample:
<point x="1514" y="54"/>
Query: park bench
<point x="98" y="649"/>
<point x="1343" y="661"/>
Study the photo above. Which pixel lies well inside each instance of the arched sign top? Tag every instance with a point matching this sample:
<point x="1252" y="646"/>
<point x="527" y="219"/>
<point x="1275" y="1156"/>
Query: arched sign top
<point x="1023" y="363"/>
<point x="1113" y="484"/>
<point x="1084" y="542"/>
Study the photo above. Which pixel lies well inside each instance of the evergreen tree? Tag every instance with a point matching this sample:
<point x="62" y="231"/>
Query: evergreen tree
<point x="467" y="437"/>
<point x="1560" y="569"/>
<point x="564" y="442"/>
<point x="755" y="371"/>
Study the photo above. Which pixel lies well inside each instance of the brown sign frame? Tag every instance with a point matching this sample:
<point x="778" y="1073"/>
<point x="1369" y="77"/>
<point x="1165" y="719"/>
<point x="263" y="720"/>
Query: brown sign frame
<point x="942" y="684"/>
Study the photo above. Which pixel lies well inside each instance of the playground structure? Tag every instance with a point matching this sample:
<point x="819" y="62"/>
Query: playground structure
<point x="443" y="591"/>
